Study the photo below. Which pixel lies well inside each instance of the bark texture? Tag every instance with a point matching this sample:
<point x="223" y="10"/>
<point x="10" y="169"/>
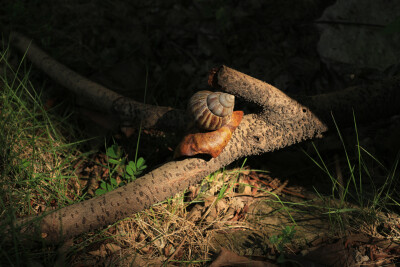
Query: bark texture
<point x="284" y="121"/>
<point x="369" y="102"/>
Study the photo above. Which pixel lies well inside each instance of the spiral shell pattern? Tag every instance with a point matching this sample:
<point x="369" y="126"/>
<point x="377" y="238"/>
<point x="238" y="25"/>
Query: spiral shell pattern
<point x="211" y="110"/>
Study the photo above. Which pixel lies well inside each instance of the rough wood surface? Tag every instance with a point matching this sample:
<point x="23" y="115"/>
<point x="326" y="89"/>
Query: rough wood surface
<point x="284" y="121"/>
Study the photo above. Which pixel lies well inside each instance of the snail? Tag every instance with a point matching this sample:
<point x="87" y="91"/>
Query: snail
<point x="213" y="112"/>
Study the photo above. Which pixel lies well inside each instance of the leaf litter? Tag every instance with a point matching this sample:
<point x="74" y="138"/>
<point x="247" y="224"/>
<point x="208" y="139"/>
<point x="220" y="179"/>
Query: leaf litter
<point x="237" y="212"/>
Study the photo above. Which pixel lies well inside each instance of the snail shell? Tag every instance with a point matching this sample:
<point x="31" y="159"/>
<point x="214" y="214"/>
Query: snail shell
<point x="211" y="110"/>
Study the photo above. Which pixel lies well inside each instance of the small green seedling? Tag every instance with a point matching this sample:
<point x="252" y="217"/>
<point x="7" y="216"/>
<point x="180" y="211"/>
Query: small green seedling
<point x="118" y="162"/>
<point x="106" y="187"/>
<point x="134" y="169"/>
<point x="279" y="241"/>
<point x="114" y="154"/>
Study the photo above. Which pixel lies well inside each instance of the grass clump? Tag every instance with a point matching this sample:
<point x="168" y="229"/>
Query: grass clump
<point x="361" y="190"/>
<point x="36" y="158"/>
<point x="127" y="171"/>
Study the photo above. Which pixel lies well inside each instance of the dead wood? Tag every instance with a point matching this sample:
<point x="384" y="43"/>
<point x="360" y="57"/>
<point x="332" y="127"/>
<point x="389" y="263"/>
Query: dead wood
<point x="284" y="121"/>
<point x="369" y="102"/>
<point x="163" y="118"/>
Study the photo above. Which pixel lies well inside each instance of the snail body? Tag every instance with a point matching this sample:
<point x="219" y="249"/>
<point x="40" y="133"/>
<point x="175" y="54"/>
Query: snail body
<point x="211" y="110"/>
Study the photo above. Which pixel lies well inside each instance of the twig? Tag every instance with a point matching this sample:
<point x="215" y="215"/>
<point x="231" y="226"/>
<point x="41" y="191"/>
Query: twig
<point x="178" y="249"/>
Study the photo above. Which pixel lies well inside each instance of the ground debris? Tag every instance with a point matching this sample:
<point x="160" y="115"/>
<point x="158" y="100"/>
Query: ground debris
<point x="229" y="258"/>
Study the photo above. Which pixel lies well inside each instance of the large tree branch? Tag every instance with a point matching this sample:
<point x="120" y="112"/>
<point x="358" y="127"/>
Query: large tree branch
<point x="369" y="102"/>
<point x="127" y="109"/>
<point x="283" y="122"/>
<point x="253" y="136"/>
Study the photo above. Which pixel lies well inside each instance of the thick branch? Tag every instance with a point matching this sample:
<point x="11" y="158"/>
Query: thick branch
<point x="98" y="95"/>
<point x="285" y="121"/>
<point x="369" y="102"/>
<point x="276" y="105"/>
<point x="253" y="136"/>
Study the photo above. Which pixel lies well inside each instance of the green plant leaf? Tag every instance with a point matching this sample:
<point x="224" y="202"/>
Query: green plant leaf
<point x="273" y="239"/>
<point x="113" y="161"/>
<point x="140" y="162"/>
<point x="109" y="188"/>
<point x="129" y="171"/>
<point x="112" y="151"/>
<point x="99" y="192"/>
<point x="129" y="168"/>
<point x="25" y="163"/>
<point x="103" y="185"/>
<point x="113" y="181"/>
<point x="141" y="168"/>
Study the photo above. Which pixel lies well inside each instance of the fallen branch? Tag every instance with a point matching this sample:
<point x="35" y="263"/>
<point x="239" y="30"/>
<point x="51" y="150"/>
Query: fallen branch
<point x="284" y="121"/>
<point x="99" y="96"/>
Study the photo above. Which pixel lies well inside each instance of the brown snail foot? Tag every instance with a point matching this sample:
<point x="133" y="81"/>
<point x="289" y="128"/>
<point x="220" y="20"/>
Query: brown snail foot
<point x="211" y="143"/>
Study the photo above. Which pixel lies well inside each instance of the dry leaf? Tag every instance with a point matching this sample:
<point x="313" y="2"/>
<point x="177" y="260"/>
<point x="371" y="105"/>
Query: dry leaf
<point x="100" y="252"/>
<point x="221" y="205"/>
<point x="112" y="247"/>
<point x="195" y="213"/>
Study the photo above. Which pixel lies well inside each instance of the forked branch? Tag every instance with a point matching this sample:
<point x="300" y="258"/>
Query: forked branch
<point x="284" y="121"/>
